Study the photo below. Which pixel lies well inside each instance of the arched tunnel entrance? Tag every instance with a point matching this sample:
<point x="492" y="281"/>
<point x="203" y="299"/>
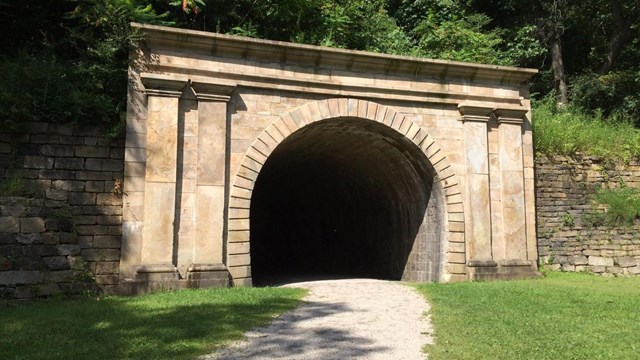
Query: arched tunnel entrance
<point x="346" y="197"/>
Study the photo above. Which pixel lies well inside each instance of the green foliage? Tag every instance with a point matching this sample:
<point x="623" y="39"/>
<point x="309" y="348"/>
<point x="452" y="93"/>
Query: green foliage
<point x="66" y="60"/>
<point x="615" y="95"/>
<point x="360" y="25"/>
<point x="167" y="325"/>
<point x="74" y="70"/>
<point x="459" y="40"/>
<point x="535" y="319"/>
<point x="12" y="185"/>
<point x="43" y="87"/>
<point x="622" y="205"/>
<point x="568" y="220"/>
<point x="568" y="131"/>
<point x="523" y="46"/>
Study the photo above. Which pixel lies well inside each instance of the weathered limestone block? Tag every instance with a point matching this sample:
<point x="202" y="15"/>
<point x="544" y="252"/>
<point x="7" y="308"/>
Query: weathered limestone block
<point x="614" y="270"/>
<point x="29" y="239"/>
<point x="554" y="267"/>
<point x="627" y="261"/>
<point x="567" y="267"/>
<point x="600" y="261"/>
<point x="19" y="277"/>
<point x="559" y="259"/>
<point x="32" y="225"/>
<point x="58" y="276"/>
<point x="9" y="224"/>
<point x="634" y="270"/>
<point x="68" y="249"/>
<point x="56" y="262"/>
<point x="578" y="260"/>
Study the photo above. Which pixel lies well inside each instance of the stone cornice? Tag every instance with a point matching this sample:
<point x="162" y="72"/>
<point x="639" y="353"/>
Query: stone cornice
<point x="324" y="57"/>
<point x="208" y="91"/>
<point x="474" y="111"/>
<point x="510" y="115"/>
<point x="162" y="85"/>
<point x="471" y="111"/>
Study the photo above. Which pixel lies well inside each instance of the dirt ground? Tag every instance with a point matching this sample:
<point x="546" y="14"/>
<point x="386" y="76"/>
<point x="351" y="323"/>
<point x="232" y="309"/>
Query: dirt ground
<point x="343" y="319"/>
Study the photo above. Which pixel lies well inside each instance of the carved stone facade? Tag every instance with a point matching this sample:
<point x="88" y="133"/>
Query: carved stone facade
<point x="434" y="161"/>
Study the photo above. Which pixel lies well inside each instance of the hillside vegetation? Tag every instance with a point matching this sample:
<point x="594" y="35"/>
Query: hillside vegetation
<point x="66" y="60"/>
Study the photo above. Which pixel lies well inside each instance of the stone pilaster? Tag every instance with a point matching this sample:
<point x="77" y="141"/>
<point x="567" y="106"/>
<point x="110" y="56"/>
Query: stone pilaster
<point x="478" y="211"/>
<point x="512" y="181"/>
<point x="211" y="180"/>
<point x="160" y="180"/>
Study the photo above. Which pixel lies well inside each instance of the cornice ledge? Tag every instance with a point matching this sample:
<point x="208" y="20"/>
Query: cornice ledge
<point x="212" y="91"/>
<point x="475" y="111"/>
<point x="163" y="85"/>
<point x="510" y="115"/>
<point x="306" y="55"/>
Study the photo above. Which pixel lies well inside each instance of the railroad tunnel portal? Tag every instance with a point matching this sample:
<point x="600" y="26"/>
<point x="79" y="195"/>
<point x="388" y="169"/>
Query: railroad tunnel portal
<point x="347" y="197"/>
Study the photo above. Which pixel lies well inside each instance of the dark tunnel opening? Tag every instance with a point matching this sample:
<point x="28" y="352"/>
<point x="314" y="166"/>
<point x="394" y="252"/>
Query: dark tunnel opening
<point x="341" y="197"/>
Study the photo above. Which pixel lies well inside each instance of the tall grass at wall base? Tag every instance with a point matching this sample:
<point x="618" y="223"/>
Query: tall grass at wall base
<point x="621" y="207"/>
<point x="567" y="131"/>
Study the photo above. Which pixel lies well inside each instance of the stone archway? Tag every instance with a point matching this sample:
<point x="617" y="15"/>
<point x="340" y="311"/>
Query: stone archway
<point x="239" y="231"/>
<point x="205" y="112"/>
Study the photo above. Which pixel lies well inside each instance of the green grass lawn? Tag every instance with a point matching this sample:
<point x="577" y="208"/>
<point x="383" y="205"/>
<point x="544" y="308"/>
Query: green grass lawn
<point x="561" y="316"/>
<point x="168" y="325"/>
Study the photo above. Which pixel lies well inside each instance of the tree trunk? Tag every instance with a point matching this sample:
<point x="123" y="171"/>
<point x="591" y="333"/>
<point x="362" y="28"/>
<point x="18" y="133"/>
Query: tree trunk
<point x="560" y="82"/>
<point x="621" y="32"/>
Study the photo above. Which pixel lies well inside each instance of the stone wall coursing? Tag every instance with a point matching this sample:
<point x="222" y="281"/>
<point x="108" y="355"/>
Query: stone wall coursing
<point x="69" y="218"/>
<point x="567" y="240"/>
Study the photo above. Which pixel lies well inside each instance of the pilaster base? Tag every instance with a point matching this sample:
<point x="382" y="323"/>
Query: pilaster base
<point x="208" y="275"/>
<point x="152" y="278"/>
<point x="507" y="269"/>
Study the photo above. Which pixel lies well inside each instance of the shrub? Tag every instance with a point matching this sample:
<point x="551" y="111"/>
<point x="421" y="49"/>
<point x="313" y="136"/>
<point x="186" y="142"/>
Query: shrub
<point x="569" y="131"/>
<point x="622" y="204"/>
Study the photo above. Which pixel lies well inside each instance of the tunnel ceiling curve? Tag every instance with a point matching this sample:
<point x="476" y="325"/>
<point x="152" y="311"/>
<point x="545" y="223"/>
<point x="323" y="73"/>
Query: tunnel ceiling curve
<point x="341" y="196"/>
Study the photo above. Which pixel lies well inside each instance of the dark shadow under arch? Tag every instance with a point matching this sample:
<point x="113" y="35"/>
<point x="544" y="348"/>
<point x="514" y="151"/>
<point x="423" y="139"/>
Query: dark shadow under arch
<point x="347" y="197"/>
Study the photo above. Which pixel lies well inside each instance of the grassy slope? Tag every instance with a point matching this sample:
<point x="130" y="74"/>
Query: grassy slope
<point x="563" y="316"/>
<point x="569" y="131"/>
<point x="169" y="325"/>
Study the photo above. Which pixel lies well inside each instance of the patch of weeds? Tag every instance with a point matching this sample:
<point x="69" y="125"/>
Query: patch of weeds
<point x="593" y="219"/>
<point x="13" y="185"/>
<point x="548" y="233"/>
<point x="568" y="220"/>
<point x="545" y="260"/>
<point x="622" y="205"/>
<point x="63" y="218"/>
<point x="583" y="186"/>
<point x="81" y="271"/>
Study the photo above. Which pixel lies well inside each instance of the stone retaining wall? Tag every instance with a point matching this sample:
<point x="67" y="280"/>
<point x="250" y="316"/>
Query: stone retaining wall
<point x="63" y="232"/>
<point x="567" y="240"/>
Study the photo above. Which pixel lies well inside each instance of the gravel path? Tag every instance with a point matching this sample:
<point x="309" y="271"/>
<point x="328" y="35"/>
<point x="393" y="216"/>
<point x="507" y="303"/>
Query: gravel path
<point x="343" y="319"/>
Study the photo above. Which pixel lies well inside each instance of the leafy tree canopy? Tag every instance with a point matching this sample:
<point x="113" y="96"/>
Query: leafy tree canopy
<point x="66" y="60"/>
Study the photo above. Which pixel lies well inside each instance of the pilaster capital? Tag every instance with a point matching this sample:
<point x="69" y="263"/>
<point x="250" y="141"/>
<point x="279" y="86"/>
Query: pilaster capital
<point x="210" y="91"/>
<point x="510" y="115"/>
<point x="474" y="111"/>
<point x="162" y="85"/>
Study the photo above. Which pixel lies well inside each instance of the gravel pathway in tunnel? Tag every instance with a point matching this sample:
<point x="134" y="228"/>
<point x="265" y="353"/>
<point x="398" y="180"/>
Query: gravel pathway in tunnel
<point x="343" y="319"/>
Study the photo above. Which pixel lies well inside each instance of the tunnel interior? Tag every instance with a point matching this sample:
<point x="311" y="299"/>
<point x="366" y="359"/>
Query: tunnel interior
<point x="345" y="197"/>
